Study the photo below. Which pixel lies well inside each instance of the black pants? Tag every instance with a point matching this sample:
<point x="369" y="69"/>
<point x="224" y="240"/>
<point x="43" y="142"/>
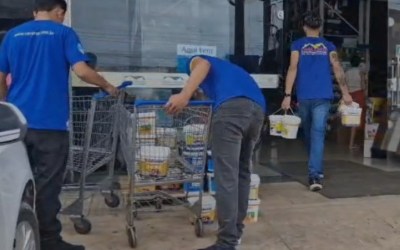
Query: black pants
<point x="48" y="155"/>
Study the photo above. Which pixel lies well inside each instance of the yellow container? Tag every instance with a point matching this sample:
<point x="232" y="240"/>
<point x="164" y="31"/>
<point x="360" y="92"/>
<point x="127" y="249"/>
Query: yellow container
<point x="153" y="168"/>
<point x="153" y="161"/>
<point x="145" y="189"/>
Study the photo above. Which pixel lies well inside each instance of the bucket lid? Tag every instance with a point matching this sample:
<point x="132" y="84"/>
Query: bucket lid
<point x="147" y="115"/>
<point x="194" y="128"/>
<point x="254" y="202"/>
<point x="207" y="200"/>
<point x="154" y="152"/>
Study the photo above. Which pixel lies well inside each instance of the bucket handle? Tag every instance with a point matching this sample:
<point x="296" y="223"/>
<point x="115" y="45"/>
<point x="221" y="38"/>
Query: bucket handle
<point x="291" y="111"/>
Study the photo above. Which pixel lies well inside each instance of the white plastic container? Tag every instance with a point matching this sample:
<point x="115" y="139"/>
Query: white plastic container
<point x="253" y="211"/>
<point x="153" y="161"/>
<point x="291" y="124"/>
<point x="254" y="187"/>
<point x="195" y="134"/>
<point x="350" y="115"/>
<point x="166" y="137"/>
<point x="146" y="124"/>
<point x="208" y="213"/>
<point x="275" y="125"/>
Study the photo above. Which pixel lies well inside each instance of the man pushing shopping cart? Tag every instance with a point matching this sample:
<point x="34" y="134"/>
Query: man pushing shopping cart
<point x="239" y="108"/>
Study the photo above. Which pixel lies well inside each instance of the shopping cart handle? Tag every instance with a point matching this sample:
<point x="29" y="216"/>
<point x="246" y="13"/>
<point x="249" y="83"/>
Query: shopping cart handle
<point x="103" y="94"/>
<point x="163" y="103"/>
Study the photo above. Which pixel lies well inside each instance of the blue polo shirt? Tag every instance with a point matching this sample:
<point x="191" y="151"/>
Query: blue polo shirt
<point x="226" y="81"/>
<point x="314" y="74"/>
<point x="38" y="55"/>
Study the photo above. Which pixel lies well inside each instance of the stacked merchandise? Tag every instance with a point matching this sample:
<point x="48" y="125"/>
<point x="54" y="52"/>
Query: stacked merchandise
<point x="254" y="200"/>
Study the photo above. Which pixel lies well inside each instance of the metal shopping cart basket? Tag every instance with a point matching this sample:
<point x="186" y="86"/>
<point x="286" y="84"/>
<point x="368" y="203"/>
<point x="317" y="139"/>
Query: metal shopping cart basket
<point x="161" y="150"/>
<point x="93" y="143"/>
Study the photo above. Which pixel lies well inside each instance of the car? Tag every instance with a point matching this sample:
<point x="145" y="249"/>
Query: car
<point x="18" y="222"/>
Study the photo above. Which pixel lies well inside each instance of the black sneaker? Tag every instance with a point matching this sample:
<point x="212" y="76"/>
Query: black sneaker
<point x="315" y="185"/>
<point x="60" y="245"/>
<point x="215" y="247"/>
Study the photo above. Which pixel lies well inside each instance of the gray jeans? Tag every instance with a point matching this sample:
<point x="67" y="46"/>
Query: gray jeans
<point x="236" y="127"/>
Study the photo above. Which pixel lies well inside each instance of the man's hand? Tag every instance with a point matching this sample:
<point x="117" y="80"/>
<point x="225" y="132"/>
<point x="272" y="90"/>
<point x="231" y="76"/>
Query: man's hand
<point x="176" y="103"/>
<point x="111" y="90"/>
<point x="286" y="103"/>
<point x="347" y="99"/>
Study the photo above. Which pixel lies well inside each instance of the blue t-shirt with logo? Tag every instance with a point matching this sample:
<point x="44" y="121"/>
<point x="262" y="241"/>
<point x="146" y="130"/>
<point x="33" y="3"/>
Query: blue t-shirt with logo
<point x="38" y="55"/>
<point x="314" y="79"/>
<point x="226" y="81"/>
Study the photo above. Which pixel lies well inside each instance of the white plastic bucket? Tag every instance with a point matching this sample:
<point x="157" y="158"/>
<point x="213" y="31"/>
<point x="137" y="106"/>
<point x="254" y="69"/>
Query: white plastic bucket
<point x="254" y="186"/>
<point x="275" y="125"/>
<point x="350" y="114"/>
<point x="208" y="213"/>
<point x="146" y="125"/>
<point x="153" y="161"/>
<point x="195" y="134"/>
<point x="291" y="124"/>
<point x="253" y="211"/>
<point x="166" y="137"/>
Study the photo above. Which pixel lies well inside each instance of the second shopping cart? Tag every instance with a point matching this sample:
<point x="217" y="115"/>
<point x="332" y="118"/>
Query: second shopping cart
<point x="163" y="150"/>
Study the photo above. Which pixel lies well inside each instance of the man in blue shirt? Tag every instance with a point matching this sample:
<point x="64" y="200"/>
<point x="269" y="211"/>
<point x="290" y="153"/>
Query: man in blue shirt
<point x="239" y="107"/>
<point x="310" y="67"/>
<point x="39" y="55"/>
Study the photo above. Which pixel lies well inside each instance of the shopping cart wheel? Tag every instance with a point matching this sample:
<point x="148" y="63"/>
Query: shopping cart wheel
<point x="132" y="239"/>
<point x="82" y="226"/>
<point x="112" y="200"/>
<point x="198" y="228"/>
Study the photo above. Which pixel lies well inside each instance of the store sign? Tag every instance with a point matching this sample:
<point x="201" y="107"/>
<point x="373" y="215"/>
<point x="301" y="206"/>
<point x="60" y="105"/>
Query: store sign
<point x="191" y="50"/>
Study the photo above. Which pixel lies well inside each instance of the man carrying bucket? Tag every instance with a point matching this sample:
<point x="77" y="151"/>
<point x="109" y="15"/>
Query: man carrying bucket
<point x="310" y="67"/>
<point x="239" y="107"/>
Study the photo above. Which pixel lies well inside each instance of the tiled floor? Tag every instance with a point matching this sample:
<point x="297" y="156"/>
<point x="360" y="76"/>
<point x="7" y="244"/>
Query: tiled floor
<point x="291" y="217"/>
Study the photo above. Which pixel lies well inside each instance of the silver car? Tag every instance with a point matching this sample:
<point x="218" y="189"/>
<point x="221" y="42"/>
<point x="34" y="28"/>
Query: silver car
<point x="18" y="223"/>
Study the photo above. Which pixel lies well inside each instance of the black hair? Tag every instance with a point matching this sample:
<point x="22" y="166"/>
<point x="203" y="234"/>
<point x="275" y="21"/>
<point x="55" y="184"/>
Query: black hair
<point x="312" y="20"/>
<point x="49" y="5"/>
<point x="355" y="61"/>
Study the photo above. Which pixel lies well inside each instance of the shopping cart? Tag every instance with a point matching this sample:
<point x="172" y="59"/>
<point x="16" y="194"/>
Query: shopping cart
<point x="93" y="142"/>
<point x="162" y="150"/>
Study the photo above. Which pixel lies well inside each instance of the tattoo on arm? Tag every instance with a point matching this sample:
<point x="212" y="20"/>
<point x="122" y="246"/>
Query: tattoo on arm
<point x="338" y="70"/>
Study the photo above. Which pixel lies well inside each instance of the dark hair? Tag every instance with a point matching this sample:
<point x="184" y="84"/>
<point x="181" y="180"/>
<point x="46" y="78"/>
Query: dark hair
<point x="312" y="20"/>
<point x="355" y="61"/>
<point x="49" y="5"/>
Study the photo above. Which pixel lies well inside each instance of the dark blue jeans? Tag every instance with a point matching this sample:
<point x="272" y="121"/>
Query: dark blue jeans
<point x="314" y="115"/>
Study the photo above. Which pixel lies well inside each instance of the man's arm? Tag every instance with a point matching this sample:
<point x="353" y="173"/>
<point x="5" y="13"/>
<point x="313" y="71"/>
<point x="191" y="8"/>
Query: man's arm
<point x="340" y="77"/>
<point x="3" y="86"/>
<point x="199" y="70"/>
<point x="339" y="73"/>
<point x="87" y="74"/>
<point x="290" y="79"/>
<point x="292" y="72"/>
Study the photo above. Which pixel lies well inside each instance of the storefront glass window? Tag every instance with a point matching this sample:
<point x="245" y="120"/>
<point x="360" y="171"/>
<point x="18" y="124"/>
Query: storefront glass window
<point x="153" y="35"/>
